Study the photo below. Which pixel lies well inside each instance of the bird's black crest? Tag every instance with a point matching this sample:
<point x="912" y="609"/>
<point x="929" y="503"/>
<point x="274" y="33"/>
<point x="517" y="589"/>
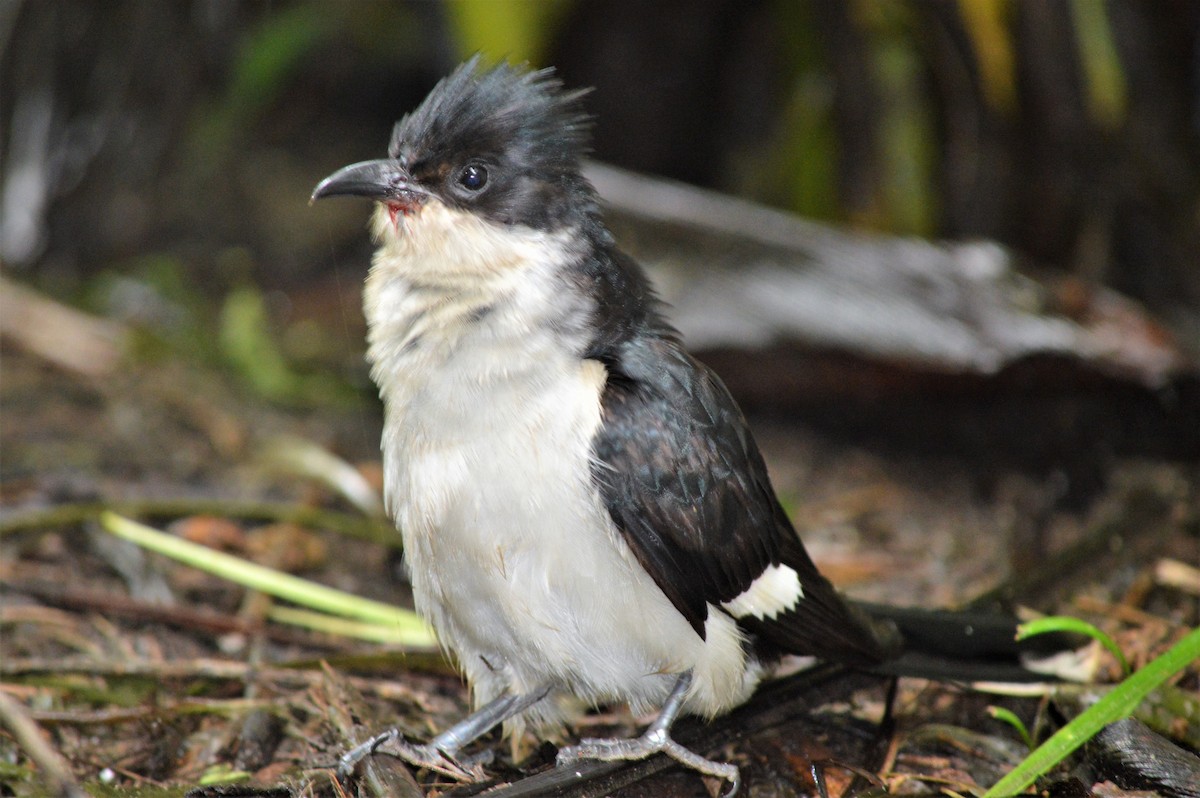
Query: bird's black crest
<point x="526" y="117"/>
<point x="521" y="128"/>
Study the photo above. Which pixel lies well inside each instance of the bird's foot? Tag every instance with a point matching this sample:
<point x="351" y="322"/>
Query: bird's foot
<point x="422" y="756"/>
<point x="654" y="741"/>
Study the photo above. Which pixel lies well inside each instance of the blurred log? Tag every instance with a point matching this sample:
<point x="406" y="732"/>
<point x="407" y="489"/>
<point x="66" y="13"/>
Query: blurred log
<point x="68" y="338"/>
<point x="933" y="347"/>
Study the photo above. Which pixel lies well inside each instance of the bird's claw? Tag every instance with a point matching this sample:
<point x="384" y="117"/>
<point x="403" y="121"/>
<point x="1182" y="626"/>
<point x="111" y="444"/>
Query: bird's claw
<point x="427" y="757"/>
<point x="655" y="741"/>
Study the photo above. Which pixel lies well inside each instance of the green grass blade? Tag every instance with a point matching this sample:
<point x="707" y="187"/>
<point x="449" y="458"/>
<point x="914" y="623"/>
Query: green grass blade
<point x="1118" y="704"/>
<point x="408" y="626"/>
<point x="332" y="624"/>
<point x="1009" y="717"/>
<point x="1065" y="623"/>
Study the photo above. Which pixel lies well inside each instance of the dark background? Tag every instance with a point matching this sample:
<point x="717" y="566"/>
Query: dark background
<point x="1067" y="130"/>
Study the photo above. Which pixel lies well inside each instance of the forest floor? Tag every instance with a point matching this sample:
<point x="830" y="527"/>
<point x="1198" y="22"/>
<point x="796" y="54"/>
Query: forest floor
<point x="146" y="677"/>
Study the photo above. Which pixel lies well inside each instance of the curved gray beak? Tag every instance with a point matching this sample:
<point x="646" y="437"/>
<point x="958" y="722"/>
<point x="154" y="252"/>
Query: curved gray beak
<point x="382" y="180"/>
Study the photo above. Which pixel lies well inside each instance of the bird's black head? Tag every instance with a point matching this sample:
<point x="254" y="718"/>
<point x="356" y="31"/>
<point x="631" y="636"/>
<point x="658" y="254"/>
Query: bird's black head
<point x="504" y="143"/>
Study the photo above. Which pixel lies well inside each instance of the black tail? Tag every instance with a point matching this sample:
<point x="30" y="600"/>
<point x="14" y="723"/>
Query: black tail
<point x="968" y="645"/>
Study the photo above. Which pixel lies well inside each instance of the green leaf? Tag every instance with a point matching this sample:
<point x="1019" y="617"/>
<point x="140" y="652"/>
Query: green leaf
<point x="267" y="57"/>
<point x="1104" y="77"/>
<point x="223" y="774"/>
<point x="249" y="346"/>
<point x="513" y="29"/>
<point x="247" y="343"/>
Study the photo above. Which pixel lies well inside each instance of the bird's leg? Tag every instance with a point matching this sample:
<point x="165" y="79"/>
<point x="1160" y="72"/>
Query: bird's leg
<point x="441" y="753"/>
<point x="655" y="740"/>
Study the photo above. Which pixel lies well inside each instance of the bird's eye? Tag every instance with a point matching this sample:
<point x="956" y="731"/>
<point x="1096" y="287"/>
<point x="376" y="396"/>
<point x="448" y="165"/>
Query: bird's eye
<point x="473" y="177"/>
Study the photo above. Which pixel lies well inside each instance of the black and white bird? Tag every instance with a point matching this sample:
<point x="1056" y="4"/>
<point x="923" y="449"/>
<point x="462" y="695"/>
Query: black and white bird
<point x="583" y="507"/>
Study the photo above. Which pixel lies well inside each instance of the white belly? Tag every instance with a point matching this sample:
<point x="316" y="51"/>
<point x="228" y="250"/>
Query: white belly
<point x="513" y="558"/>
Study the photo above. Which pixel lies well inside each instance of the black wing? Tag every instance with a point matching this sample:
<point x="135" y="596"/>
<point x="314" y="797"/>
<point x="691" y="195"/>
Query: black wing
<point x="686" y="485"/>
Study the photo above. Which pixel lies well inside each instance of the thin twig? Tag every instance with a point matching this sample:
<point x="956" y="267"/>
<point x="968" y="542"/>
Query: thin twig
<point x="191" y="706"/>
<point x="349" y="524"/>
<point x="115" y="605"/>
<point x="209" y="669"/>
<point x="30" y="737"/>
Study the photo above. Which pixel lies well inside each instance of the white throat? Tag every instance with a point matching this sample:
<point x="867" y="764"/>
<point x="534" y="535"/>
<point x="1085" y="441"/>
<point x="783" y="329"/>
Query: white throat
<point x="456" y="305"/>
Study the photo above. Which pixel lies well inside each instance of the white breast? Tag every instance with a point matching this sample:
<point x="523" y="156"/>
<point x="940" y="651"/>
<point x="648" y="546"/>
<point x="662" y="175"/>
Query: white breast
<point x="490" y="414"/>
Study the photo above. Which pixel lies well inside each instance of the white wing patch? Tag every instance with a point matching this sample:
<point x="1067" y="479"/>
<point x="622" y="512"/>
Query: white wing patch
<point x="776" y="590"/>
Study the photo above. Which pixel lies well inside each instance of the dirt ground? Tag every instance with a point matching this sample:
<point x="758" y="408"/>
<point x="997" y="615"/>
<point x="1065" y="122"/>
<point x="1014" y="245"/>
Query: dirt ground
<point x="147" y="677"/>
